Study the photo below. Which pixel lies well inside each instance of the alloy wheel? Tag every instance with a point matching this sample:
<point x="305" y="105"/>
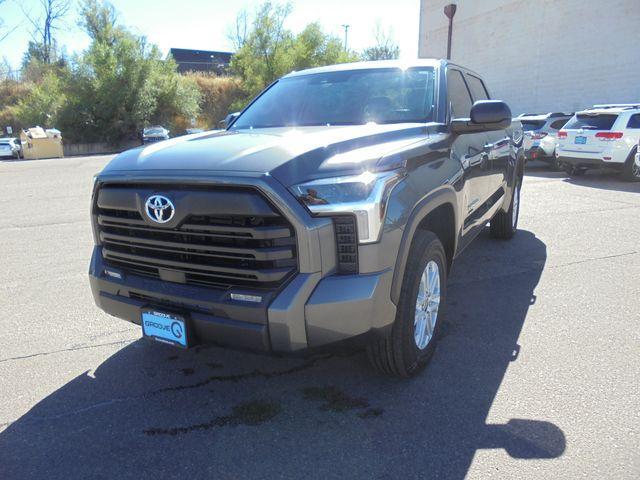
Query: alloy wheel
<point x="427" y="305"/>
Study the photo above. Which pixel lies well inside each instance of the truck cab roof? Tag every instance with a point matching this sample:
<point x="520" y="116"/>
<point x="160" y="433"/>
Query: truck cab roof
<point x="401" y="64"/>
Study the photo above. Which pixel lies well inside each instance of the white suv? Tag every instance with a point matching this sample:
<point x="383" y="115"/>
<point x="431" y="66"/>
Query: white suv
<point x="540" y="135"/>
<point x="602" y="136"/>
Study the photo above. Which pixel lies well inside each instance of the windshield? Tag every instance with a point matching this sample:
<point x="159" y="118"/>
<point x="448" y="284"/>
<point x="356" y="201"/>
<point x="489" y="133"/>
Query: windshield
<point x="353" y="97"/>
<point x="153" y="131"/>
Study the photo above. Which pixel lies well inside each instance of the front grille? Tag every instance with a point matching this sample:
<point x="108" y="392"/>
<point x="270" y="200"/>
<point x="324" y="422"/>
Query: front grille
<point x="214" y="250"/>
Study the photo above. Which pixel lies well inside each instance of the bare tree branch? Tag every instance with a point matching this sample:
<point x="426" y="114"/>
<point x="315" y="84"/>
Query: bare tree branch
<point x="2" y="26"/>
<point x="238" y="33"/>
<point x="51" y="13"/>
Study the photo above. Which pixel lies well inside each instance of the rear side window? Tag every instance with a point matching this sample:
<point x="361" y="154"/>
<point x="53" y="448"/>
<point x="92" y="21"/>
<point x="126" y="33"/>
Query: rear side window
<point x="478" y="90"/>
<point x="602" y="121"/>
<point x="458" y="95"/>
<point x="558" y="124"/>
<point x="634" y="121"/>
<point x="528" y="125"/>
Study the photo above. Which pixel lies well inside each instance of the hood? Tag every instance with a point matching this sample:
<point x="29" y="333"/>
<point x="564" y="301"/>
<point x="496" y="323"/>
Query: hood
<point x="291" y="155"/>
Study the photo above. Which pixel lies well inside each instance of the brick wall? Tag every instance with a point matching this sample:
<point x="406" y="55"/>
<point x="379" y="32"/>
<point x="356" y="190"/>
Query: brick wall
<point x="542" y="55"/>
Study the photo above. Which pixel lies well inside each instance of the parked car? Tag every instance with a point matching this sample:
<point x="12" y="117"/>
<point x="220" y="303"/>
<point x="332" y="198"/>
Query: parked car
<point x="191" y="131"/>
<point x="602" y="136"/>
<point x="10" y="147"/>
<point x="540" y="135"/>
<point x="154" y="134"/>
<point x="329" y="211"/>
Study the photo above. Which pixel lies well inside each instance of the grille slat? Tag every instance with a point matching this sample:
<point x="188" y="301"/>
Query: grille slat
<point x="264" y="275"/>
<point x="211" y="250"/>
<point x="265" y="253"/>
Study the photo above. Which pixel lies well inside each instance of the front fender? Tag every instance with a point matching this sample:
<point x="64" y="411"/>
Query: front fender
<point x="442" y="196"/>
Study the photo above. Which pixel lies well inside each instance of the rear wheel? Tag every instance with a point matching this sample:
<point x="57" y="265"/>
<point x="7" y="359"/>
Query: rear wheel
<point x="505" y="224"/>
<point x="556" y="166"/>
<point x="415" y="331"/>
<point x="574" y="170"/>
<point x="632" y="167"/>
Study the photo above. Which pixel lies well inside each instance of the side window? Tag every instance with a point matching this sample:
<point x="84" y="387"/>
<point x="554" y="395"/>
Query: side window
<point x="634" y="121"/>
<point x="478" y="90"/>
<point x="558" y="124"/>
<point x="458" y="94"/>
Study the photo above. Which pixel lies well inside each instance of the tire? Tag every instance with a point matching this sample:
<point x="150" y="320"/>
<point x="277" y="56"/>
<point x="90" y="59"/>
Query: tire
<point x="504" y="225"/>
<point x="400" y="354"/>
<point x="631" y="170"/>
<point x="574" y="171"/>
<point x="556" y="166"/>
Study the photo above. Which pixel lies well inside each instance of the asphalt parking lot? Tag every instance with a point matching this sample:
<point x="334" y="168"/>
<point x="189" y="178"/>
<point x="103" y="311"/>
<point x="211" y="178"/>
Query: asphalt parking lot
<point x="536" y="375"/>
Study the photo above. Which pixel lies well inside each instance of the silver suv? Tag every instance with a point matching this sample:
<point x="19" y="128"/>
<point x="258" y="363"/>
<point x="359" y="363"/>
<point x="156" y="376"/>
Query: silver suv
<point x="541" y="135"/>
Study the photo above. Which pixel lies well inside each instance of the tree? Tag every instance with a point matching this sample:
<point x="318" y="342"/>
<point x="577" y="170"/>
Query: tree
<point x="35" y="65"/>
<point x="314" y="48"/>
<point x="44" y="24"/>
<point x="99" y="21"/>
<point x="121" y="83"/>
<point x="385" y="47"/>
<point x="271" y="50"/>
<point x="238" y="33"/>
<point x="12" y="92"/>
<point x="44" y="102"/>
<point x="261" y="59"/>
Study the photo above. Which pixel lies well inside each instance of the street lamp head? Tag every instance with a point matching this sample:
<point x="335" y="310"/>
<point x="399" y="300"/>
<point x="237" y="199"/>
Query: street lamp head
<point x="450" y="10"/>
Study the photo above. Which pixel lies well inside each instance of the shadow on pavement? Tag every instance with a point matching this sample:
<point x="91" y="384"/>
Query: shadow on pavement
<point x="150" y="411"/>
<point x="604" y="179"/>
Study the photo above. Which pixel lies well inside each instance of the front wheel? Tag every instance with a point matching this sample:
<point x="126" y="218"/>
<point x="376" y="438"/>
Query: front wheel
<point x="415" y="330"/>
<point x="505" y="224"/>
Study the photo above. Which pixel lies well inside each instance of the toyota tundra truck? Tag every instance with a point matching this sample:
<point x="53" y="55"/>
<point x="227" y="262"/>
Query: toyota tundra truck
<point x="328" y="212"/>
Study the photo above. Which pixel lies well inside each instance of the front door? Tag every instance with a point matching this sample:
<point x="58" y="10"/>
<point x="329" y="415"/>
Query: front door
<point x="470" y="150"/>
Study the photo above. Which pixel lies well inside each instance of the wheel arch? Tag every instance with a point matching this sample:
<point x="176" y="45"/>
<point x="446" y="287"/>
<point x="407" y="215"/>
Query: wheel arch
<point x="438" y="213"/>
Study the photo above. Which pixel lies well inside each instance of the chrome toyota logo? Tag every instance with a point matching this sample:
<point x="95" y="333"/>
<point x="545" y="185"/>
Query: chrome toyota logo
<point x="159" y="208"/>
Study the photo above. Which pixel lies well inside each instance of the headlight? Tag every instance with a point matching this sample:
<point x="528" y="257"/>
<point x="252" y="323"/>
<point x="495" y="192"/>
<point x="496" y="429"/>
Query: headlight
<point x="363" y="195"/>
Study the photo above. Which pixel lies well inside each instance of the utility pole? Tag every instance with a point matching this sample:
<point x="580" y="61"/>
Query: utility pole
<point x="346" y="33"/>
<point x="450" y="11"/>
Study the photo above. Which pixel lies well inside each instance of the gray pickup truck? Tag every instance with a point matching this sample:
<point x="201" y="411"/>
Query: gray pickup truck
<point x="328" y="212"/>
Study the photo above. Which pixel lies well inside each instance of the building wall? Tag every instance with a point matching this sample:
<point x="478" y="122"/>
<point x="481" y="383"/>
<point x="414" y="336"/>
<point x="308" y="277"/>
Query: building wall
<point x="542" y="55"/>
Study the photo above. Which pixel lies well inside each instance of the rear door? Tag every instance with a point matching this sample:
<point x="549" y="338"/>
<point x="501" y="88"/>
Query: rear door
<point x="468" y="148"/>
<point x="582" y="131"/>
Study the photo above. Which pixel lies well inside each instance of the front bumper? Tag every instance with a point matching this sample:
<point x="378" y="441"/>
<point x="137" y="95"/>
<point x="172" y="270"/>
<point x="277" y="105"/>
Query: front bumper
<point x="309" y="312"/>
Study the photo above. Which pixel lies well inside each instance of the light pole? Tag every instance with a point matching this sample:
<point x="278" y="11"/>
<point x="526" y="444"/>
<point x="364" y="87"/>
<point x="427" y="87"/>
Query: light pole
<point x="346" y="33"/>
<point x="450" y="11"/>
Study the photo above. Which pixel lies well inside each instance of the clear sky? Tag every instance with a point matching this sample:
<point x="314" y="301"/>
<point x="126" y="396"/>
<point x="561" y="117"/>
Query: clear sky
<point x="202" y="24"/>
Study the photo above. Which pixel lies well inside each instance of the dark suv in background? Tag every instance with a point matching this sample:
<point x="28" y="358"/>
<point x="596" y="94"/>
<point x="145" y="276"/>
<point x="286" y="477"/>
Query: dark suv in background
<point x="330" y="210"/>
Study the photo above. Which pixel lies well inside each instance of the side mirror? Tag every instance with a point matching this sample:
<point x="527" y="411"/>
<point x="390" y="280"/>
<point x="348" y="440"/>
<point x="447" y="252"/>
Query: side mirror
<point x="229" y="119"/>
<point x="486" y="115"/>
